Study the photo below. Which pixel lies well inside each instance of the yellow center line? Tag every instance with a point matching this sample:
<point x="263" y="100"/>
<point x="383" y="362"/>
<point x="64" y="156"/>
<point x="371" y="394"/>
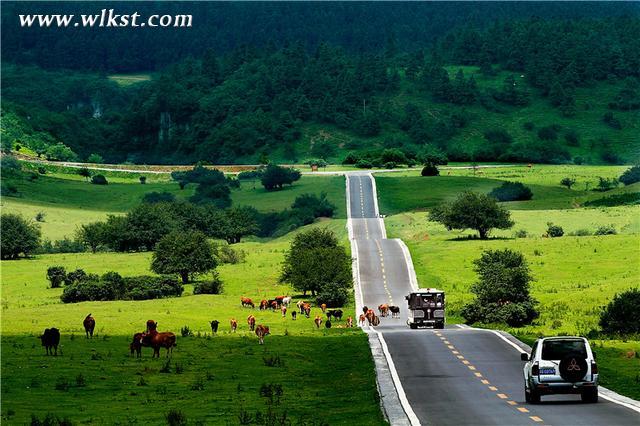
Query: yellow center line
<point x="450" y="346"/>
<point x="536" y="419"/>
<point x="523" y="410"/>
<point x="485" y="382"/>
<point x="493" y="388"/>
<point x="465" y="362"/>
<point x="460" y="357"/>
<point x="471" y="367"/>
<point x="478" y="374"/>
<point x="512" y="403"/>
<point x="502" y="396"/>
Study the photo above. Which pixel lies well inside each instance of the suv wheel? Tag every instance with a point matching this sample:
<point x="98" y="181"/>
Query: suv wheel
<point x="590" y="395"/>
<point x="532" y="396"/>
<point x="413" y="326"/>
<point x="439" y="325"/>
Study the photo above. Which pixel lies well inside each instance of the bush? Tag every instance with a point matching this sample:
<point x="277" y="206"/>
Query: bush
<point x="213" y="286"/>
<point x="622" y="314"/>
<point x="99" y="180"/>
<point x="42" y="170"/>
<point x="571" y="136"/>
<point x="511" y="191"/>
<point x="627" y="199"/>
<point x="605" y="184"/>
<point x="529" y="126"/>
<point x="351" y="158"/>
<point x="158" y="197"/>
<point x="19" y="236"/>
<point x="65" y="245"/>
<point x="317" y="206"/>
<point x="111" y="286"/>
<point x="95" y="158"/>
<point x="334" y="295"/>
<point x="521" y="233"/>
<point x="498" y="137"/>
<point x="610" y="120"/>
<point x="176" y="418"/>
<point x="548" y="133"/>
<point x="364" y="164"/>
<point x="580" y="233"/>
<point x="56" y="275"/>
<point x="430" y="170"/>
<point x="143" y="179"/>
<point x="606" y="230"/>
<point x="186" y="331"/>
<point x="227" y="254"/>
<point x="554" y="231"/>
<point x="631" y="175"/>
<point x="146" y="287"/>
<point x="390" y="165"/>
<point x="568" y="182"/>
<point x="275" y="177"/>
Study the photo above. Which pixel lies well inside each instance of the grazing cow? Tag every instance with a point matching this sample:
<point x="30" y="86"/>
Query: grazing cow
<point x="89" y="325"/>
<point x="383" y="309"/>
<point x="327" y="324"/>
<point x="251" y="320"/>
<point x="245" y="301"/>
<point x="323" y="307"/>
<point x="318" y="321"/>
<point x="362" y="319"/>
<point x="136" y="345"/>
<point x="157" y="340"/>
<point x="300" y="304"/>
<point x="395" y="311"/>
<point x="50" y="340"/>
<point x="294" y="314"/>
<point x="350" y="322"/>
<point x="286" y="301"/>
<point x="234" y="324"/>
<point x="375" y="321"/>
<point x="261" y="331"/>
<point x="336" y="313"/>
<point x="214" y="326"/>
<point x="329" y="313"/>
<point x="365" y="310"/>
<point x="283" y="309"/>
<point x="279" y="299"/>
<point x="370" y="315"/>
<point x="274" y="304"/>
<point x="263" y="305"/>
<point x="307" y="309"/>
<point x="151" y="325"/>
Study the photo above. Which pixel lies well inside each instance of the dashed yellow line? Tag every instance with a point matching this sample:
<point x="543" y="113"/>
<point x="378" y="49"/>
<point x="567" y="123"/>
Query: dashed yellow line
<point x="512" y="403"/>
<point x="536" y="419"/>
<point x="485" y="382"/>
<point x="522" y="410"/>
<point x="502" y="396"/>
<point x="493" y="388"/>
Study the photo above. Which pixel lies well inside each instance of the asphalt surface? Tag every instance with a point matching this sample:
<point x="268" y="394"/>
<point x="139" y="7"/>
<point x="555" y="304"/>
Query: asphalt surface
<point x="455" y="376"/>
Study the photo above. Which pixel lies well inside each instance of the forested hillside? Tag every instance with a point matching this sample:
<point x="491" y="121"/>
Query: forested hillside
<point x="540" y="90"/>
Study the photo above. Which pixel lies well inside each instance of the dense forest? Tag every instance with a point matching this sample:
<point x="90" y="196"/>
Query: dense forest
<point x="244" y="100"/>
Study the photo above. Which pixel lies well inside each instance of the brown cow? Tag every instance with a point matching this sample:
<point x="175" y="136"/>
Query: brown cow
<point x="234" y="324"/>
<point x="350" y="322"/>
<point x="157" y="340"/>
<point x="279" y="299"/>
<point x="375" y="321"/>
<point x="245" y="301"/>
<point x="362" y="319"/>
<point x="323" y="307"/>
<point x="251" y="320"/>
<point x="136" y="345"/>
<point x="383" y="309"/>
<point x="273" y="304"/>
<point x="299" y="305"/>
<point x="283" y="310"/>
<point x="306" y="307"/>
<point x="151" y="325"/>
<point x="261" y="331"/>
<point x="263" y="305"/>
<point x="370" y="315"/>
<point x="89" y="325"/>
<point x="318" y="321"/>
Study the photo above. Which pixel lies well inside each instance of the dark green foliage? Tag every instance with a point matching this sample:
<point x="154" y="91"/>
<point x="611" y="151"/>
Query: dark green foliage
<point x="314" y="260"/>
<point x="511" y="191"/>
<point x="56" y="275"/>
<point x="627" y="99"/>
<point x="93" y="235"/>
<point x="99" y="180"/>
<point x="226" y="254"/>
<point x="627" y="199"/>
<point x="176" y="418"/>
<point x="631" y="175"/>
<point x="568" y="182"/>
<point x="10" y="167"/>
<point x="19" y="236"/>
<point x="472" y="211"/>
<point x="333" y="295"/>
<point x="95" y="158"/>
<point x="151" y="287"/>
<point x="212" y="286"/>
<point x="554" y="231"/>
<point x="60" y="152"/>
<point x="364" y="164"/>
<point x="275" y="177"/>
<point x="42" y="170"/>
<point x="183" y="253"/>
<point x="430" y="170"/>
<point x="143" y="179"/>
<point x="502" y="290"/>
<point x="65" y="245"/>
<point x="50" y="419"/>
<point x="605" y="230"/>
<point x="606" y="184"/>
<point x="239" y="222"/>
<point x="84" y="172"/>
<point x="512" y="92"/>
<point x="610" y="120"/>
<point x="529" y="126"/>
<point x="548" y="133"/>
<point x="316" y="206"/>
<point x="622" y="314"/>
<point x="571" y="136"/>
<point x="158" y="197"/>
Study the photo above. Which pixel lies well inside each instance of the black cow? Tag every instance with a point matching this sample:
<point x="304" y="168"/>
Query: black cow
<point x="327" y="324"/>
<point x="336" y="313"/>
<point x="50" y="340"/>
<point x="395" y="311"/>
<point x="214" y="326"/>
<point x="294" y="314"/>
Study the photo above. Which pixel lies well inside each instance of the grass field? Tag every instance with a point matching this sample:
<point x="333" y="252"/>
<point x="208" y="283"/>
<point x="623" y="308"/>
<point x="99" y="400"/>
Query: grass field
<point x="68" y="202"/>
<point x="326" y="375"/>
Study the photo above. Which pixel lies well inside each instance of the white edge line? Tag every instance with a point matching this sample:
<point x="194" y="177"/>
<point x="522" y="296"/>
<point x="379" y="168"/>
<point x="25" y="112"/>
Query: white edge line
<point x="413" y="279"/>
<point x="349" y="225"/>
<point x="374" y="189"/>
<point x="413" y="419"/>
<point x="609" y="395"/>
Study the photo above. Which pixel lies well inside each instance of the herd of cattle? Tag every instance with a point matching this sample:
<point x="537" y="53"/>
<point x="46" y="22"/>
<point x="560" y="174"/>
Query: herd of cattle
<point x="152" y="338"/>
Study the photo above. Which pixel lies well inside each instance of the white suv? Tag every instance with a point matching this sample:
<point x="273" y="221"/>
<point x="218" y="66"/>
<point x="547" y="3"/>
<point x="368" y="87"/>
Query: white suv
<point x="560" y="365"/>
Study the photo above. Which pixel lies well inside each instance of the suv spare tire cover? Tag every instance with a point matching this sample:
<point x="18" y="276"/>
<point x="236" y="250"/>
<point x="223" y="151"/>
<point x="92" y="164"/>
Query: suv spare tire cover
<point x="573" y="367"/>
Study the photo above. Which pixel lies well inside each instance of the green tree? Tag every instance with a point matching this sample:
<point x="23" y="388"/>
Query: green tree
<point x="95" y="158"/>
<point x="622" y="314"/>
<point x="99" y="180"/>
<point x="631" y="175"/>
<point x="92" y="235"/>
<point x="568" y="182"/>
<point x="275" y="177"/>
<point x="56" y="275"/>
<point x="19" y="236"/>
<point x="60" y="152"/>
<point x="240" y="222"/>
<point x="472" y="211"/>
<point x="85" y="173"/>
<point x="183" y="253"/>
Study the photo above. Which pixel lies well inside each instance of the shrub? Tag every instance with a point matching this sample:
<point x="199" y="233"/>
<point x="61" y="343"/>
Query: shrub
<point x="631" y="175"/>
<point x="622" y="314"/>
<point x="227" y="254"/>
<point x="390" y="165"/>
<point x="212" y="286"/>
<point x="334" y="295"/>
<point x="511" y="191"/>
<point x="65" y="245"/>
<point x="186" y="331"/>
<point x="151" y="287"/>
<point x="630" y="198"/>
<point x="605" y="230"/>
<point x="351" y="158"/>
<point x="548" y="133"/>
<point x="571" y="136"/>
<point x="42" y="170"/>
<point x="580" y="233"/>
<point x="8" y="190"/>
<point x="529" y="126"/>
<point x="498" y="136"/>
<point x="99" y="180"/>
<point x="56" y="275"/>
<point x="176" y="418"/>
<point x="113" y="287"/>
<point x="605" y="184"/>
<point x="143" y="179"/>
<point x="430" y="170"/>
<point x="317" y="206"/>
<point x="75" y="276"/>
<point x="364" y="164"/>
<point x="568" y="182"/>
<point x="521" y="233"/>
<point x="554" y="231"/>
<point x="275" y="177"/>
<point x="50" y="420"/>
<point x="19" y="236"/>
<point x="610" y="120"/>
<point x="95" y="158"/>
<point x="158" y="197"/>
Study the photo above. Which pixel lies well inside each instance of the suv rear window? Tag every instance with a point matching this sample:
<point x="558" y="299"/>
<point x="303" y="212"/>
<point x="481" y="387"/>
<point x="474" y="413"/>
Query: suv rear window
<point x="554" y="350"/>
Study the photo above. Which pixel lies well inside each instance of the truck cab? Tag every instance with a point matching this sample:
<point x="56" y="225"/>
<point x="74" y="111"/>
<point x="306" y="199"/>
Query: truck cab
<point x="426" y="308"/>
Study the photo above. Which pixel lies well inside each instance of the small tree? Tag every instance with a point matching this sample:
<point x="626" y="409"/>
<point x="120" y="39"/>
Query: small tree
<point x="430" y="170"/>
<point x="240" y="222"/>
<point x="622" y="315"/>
<point x="183" y="253"/>
<point x="92" y="235"/>
<point x="472" y="211"/>
<point x="19" y="236"/>
<point x="502" y="290"/>
<point x="568" y="182"/>
<point x="56" y="275"/>
<point x="84" y="172"/>
<point x="605" y="184"/>
<point x="275" y="177"/>
<point x="554" y="231"/>
<point x="99" y="180"/>
<point x="143" y="180"/>
<point x="631" y="175"/>
<point x="95" y="158"/>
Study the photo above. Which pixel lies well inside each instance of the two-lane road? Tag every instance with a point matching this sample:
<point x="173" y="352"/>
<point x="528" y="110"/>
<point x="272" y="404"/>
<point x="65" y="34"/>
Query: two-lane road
<point x="455" y="376"/>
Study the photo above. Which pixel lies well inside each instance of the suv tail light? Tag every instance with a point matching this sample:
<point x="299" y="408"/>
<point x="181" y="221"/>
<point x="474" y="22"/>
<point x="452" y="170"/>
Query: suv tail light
<point x="594" y="368"/>
<point x="535" y="369"/>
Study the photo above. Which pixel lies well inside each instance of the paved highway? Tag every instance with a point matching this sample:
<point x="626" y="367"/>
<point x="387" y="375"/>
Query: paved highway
<point x="459" y="375"/>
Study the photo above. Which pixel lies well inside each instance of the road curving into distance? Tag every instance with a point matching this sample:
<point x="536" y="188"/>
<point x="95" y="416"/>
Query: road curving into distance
<point x="456" y="376"/>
